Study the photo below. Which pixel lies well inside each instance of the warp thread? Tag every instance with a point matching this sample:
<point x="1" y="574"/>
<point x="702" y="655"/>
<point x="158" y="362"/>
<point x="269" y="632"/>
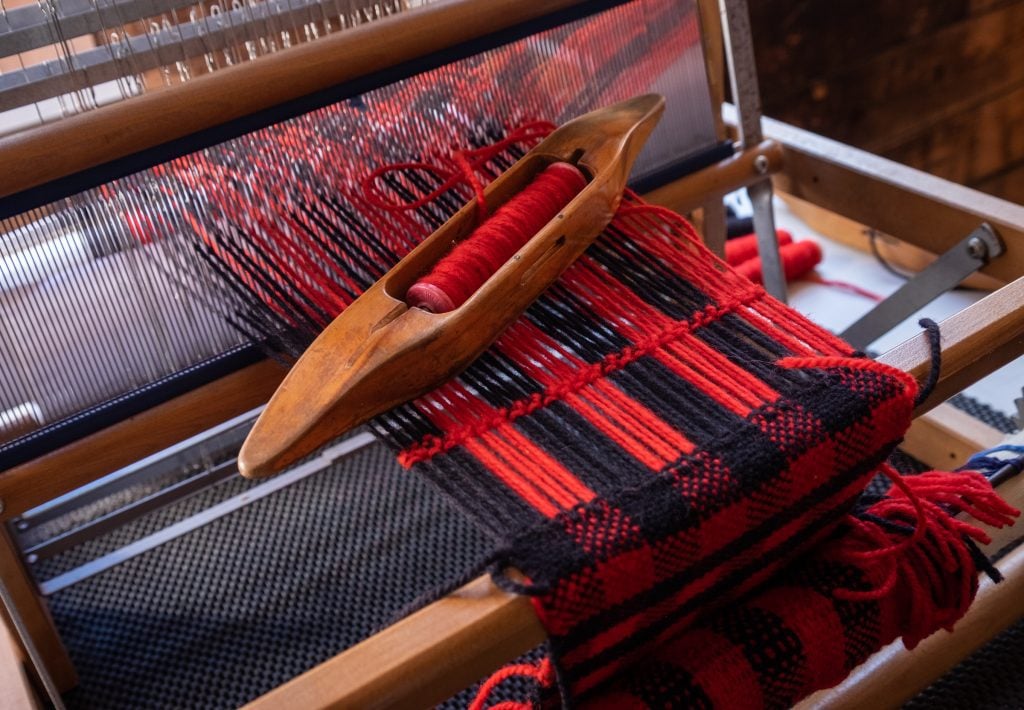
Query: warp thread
<point x="472" y="261"/>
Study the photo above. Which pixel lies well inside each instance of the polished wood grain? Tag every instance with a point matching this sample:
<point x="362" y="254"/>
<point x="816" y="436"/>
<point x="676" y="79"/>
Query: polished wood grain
<point x="37" y="481"/>
<point x="35" y="615"/>
<point x="380" y="352"/>
<point x="975" y="342"/>
<point x="946" y="437"/>
<point x="912" y="206"/>
<point x="423" y="659"/>
<point x="80" y="142"/>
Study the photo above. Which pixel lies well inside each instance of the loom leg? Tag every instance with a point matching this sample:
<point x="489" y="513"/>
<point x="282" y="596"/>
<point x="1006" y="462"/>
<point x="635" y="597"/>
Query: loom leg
<point x="34" y="615"/>
<point x="713" y="226"/>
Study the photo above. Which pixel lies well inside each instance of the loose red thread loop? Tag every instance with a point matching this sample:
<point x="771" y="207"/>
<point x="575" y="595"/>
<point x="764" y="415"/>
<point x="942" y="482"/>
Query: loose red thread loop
<point x="465" y="269"/>
<point x="913" y="542"/>
<point x="470" y="164"/>
<point x="542" y="672"/>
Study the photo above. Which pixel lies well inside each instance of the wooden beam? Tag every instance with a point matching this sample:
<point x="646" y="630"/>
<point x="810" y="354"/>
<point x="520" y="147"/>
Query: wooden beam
<point x="422" y="660"/>
<point x="913" y="206"/>
<point x="35" y="615"/>
<point x="28" y="159"/>
<point x="35" y="482"/>
<point x="975" y="342"/>
<point x="16" y="691"/>
<point x="946" y="437"/>
<point x="694" y="190"/>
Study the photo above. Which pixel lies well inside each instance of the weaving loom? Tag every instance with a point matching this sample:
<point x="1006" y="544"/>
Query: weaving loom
<point x="653" y="442"/>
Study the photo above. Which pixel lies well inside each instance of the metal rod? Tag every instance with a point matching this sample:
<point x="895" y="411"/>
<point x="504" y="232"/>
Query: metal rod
<point x="739" y="48"/>
<point x="194" y="522"/>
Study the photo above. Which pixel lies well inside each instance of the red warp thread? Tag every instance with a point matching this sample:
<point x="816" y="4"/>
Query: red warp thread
<point x="743" y="248"/>
<point x="465" y="269"/>
<point x="468" y="162"/>
<point x="798" y="259"/>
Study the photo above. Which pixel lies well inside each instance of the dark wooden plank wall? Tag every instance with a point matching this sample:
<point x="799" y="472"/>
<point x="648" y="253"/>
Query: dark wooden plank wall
<point x="936" y="84"/>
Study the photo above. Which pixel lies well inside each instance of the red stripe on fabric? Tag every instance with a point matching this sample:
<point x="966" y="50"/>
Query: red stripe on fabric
<point x="797" y="481"/>
<point x="522" y="488"/>
<point x="656" y="614"/>
<point x="654" y="428"/>
<point x="540" y="467"/>
<point x="606" y="421"/>
<point x="813" y="618"/>
<point x="433" y="445"/>
<point x="716" y="364"/>
<point x="668" y="356"/>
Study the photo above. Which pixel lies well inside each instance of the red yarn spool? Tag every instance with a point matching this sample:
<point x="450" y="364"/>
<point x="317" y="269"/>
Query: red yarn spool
<point x="742" y="248"/>
<point x="798" y="259"/>
<point x="458" y="275"/>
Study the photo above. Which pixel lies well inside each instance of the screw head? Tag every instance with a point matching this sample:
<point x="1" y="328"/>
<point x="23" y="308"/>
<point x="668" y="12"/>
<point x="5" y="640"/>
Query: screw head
<point x="977" y="248"/>
<point x="761" y="164"/>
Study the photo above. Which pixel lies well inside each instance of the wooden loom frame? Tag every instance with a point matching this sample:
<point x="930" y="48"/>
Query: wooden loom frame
<point x="478" y="628"/>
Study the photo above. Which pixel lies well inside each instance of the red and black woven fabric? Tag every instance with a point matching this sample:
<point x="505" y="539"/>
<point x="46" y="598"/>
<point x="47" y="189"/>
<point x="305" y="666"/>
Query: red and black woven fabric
<point x="898" y="566"/>
<point x="654" y="437"/>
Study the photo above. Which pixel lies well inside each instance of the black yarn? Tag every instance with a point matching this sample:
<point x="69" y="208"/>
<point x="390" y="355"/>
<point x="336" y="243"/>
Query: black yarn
<point x="935" y="346"/>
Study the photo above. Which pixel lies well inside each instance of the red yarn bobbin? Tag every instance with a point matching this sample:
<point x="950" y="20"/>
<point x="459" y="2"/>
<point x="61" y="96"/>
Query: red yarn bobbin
<point x="458" y="275"/>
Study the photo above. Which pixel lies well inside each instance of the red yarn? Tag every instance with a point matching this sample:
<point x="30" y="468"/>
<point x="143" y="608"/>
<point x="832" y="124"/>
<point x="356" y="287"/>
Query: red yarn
<point x="459" y="274"/>
<point x="916" y="566"/>
<point x="468" y="162"/>
<point x="798" y="259"/>
<point x="542" y="672"/>
<point x="849" y="287"/>
<point x="743" y="248"/>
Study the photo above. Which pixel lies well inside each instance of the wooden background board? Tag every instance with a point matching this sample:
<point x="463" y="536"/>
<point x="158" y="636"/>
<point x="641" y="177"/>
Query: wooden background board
<point x="938" y="85"/>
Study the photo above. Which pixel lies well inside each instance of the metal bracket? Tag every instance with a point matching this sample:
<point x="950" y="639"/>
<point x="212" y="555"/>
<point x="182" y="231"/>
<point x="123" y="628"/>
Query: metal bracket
<point x="959" y="262"/>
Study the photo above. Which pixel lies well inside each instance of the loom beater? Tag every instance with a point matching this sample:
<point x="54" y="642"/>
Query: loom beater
<point x="380" y="352"/>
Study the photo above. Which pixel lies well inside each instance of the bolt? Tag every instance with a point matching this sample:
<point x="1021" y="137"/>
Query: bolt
<point x="977" y="248"/>
<point x="23" y="525"/>
<point x="761" y="164"/>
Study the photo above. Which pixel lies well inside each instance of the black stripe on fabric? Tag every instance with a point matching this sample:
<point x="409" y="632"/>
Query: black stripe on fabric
<point x="861" y="620"/>
<point x="499" y="381"/>
<point x="675" y="400"/>
<point x="562" y="317"/>
<point x="773" y="650"/>
<point x="741" y="344"/>
<point x="478" y="493"/>
<point x="659" y="592"/>
<point x="663" y="685"/>
<point x="600" y="463"/>
<point x="651" y="281"/>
